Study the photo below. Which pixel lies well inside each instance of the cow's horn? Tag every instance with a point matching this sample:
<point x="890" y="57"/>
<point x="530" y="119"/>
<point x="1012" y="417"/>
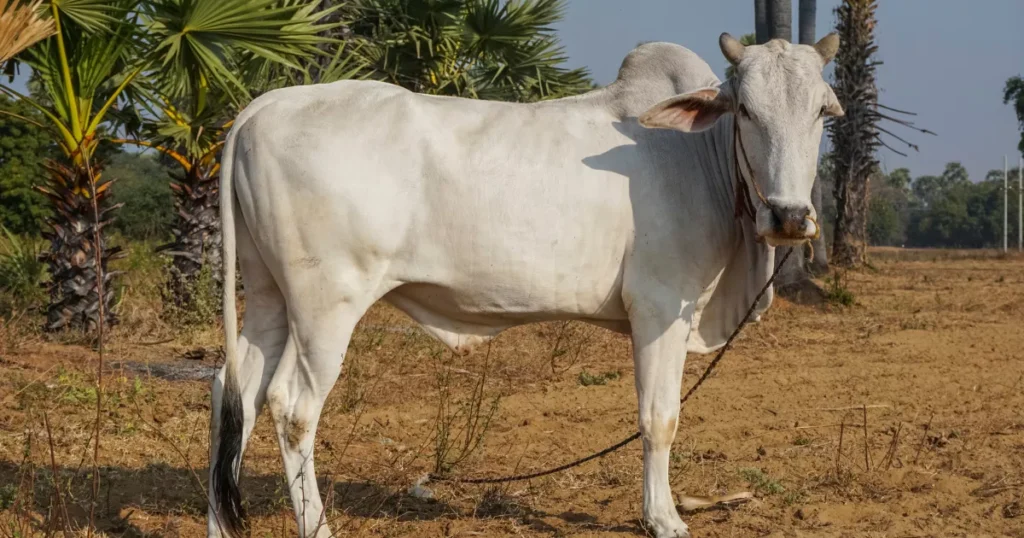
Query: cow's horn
<point x="827" y="47"/>
<point x="731" y="48"/>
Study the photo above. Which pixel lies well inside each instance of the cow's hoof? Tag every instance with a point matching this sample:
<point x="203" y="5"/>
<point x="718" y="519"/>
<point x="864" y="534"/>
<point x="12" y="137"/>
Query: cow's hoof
<point x="668" y="527"/>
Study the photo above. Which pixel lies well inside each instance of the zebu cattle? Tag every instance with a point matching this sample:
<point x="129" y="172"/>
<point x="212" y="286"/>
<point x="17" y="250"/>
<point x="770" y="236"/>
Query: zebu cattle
<point x="625" y="207"/>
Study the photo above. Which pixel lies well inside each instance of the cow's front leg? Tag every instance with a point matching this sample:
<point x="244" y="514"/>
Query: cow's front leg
<point x="659" y="352"/>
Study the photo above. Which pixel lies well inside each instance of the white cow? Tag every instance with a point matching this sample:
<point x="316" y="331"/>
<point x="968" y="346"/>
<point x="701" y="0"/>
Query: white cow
<point x="618" y="207"/>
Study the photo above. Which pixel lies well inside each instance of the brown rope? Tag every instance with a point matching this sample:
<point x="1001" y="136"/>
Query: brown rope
<point x="707" y="373"/>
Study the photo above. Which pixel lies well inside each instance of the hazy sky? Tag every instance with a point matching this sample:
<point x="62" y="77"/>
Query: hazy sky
<point x="947" y="60"/>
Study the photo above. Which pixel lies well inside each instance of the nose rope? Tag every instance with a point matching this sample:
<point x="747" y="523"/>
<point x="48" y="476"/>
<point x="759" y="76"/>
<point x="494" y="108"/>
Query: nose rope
<point x="743" y="202"/>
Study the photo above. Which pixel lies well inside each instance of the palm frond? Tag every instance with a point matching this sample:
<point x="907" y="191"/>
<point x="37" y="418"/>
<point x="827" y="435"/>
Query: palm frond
<point x="198" y="41"/>
<point x="92" y="16"/>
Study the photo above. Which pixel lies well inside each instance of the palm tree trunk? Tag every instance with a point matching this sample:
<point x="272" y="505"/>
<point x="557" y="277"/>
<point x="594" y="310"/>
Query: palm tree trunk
<point x="762" y="28"/>
<point x="818" y="265"/>
<point x="780" y="13"/>
<point x="196" y="248"/>
<point x="74" y="298"/>
<point x="855" y="135"/>
<point x="808" y="12"/>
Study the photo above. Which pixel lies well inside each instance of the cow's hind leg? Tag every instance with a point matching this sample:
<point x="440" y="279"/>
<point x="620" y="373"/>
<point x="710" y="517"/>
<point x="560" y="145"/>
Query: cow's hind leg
<point x="320" y="330"/>
<point x="260" y="345"/>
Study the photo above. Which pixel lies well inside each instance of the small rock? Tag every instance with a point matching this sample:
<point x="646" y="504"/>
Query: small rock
<point x="761" y="451"/>
<point x="799" y="514"/>
<point x="1013" y="510"/>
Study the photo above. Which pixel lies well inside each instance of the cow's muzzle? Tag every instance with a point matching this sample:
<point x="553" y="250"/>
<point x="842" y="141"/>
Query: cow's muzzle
<point x="791" y="224"/>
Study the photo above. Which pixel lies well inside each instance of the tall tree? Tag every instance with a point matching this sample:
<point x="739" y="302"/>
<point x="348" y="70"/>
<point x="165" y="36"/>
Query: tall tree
<point x="780" y="13"/>
<point x="808" y="13"/>
<point x="854" y="136"/>
<point x="857" y="135"/>
<point x="762" y="28"/>
<point x="1014" y="92"/>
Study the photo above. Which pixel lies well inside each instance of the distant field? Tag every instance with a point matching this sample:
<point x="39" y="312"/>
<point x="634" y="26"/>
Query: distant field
<point x="933" y="346"/>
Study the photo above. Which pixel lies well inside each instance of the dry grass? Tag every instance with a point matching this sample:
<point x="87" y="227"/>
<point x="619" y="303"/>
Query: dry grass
<point x="922" y="379"/>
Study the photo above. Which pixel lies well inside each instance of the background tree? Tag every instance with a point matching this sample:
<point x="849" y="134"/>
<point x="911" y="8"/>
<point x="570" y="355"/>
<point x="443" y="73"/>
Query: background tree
<point x="148" y="213"/>
<point x="854" y="136"/>
<point x="889" y="208"/>
<point x="23" y="146"/>
<point x="1013" y="92"/>
<point x="780" y="17"/>
<point x="762" y="26"/>
<point x="808" y="10"/>
<point x="83" y="69"/>
<point x="90" y="66"/>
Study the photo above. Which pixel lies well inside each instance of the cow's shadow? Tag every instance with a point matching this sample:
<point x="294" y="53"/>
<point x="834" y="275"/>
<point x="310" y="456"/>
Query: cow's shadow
<point x="161" y="489"/>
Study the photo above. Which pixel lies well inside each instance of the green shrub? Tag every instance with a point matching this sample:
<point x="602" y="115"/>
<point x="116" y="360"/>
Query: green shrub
<point x="588" y="379"/>
<point x="143" y="185"/>
<point x="836" y="292"/>
<point x="761" y="482"/>
<point x="21" y="272"/>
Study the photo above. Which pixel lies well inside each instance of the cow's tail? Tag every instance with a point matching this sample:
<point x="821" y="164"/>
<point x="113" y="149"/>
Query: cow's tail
<point x="228" y="499"/>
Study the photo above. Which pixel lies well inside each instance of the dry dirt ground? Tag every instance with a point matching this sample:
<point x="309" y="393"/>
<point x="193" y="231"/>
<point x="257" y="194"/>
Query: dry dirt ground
<point x="933" y="347"/>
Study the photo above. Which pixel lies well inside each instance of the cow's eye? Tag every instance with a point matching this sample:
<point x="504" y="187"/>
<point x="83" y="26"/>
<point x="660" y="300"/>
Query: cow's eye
<point x="743" y="111"/>
<point x="824" y="111"/>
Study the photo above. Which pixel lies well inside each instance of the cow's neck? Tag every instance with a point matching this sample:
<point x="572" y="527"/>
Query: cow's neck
<point x="714" y="151"/>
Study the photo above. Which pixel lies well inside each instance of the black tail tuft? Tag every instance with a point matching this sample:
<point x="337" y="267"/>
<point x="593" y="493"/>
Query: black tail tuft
<point x="230" y="512"/>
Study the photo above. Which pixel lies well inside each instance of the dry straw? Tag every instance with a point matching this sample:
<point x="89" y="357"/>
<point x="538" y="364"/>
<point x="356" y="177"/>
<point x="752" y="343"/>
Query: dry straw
<point x="21" y="26"/>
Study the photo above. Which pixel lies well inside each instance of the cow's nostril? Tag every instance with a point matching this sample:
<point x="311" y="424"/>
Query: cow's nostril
<point x="791" y="220"/>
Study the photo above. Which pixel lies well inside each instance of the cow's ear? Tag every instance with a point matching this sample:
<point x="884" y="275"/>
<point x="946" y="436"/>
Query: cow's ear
<point x="690" y="112"/>
<point x="832" y="108"/>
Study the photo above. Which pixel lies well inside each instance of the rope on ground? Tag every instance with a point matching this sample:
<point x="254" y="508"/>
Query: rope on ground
<point x="707" y="373"/>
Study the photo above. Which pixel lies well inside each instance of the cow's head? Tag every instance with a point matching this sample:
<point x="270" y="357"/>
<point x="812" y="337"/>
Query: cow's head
<point x="780" y="101"/>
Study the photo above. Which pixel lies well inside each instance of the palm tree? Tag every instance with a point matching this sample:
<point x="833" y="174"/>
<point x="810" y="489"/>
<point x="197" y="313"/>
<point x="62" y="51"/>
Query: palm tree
<point x="84" y="68"/>
<point x="94" y="62"/>
<point x="808" y="11"/>
<point x="780" y="17"/>
<point x="762" y="28"/>
<point x="855" y="137"/>
<point x="488" y="49"/>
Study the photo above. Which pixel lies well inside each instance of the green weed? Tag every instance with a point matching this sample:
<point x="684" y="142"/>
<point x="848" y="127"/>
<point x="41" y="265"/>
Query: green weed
<point x="761" y="482"/>
<point x="836" y="292"/>
<point x="588" y="379"/>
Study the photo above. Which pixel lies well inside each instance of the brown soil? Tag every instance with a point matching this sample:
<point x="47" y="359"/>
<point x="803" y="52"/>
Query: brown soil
<point x="933" y="346"/>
